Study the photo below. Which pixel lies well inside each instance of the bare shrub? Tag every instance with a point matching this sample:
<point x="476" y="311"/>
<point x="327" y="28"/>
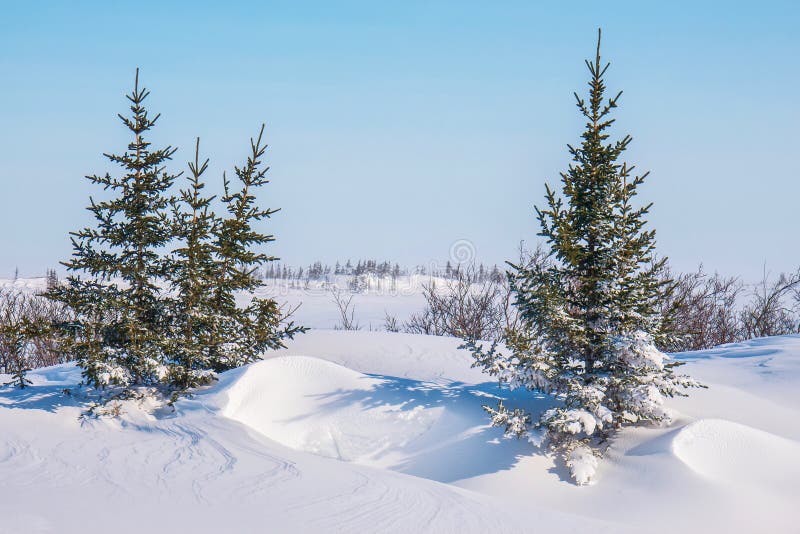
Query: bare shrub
<point x="27" y="337"/>
<point x="462" y="308"/>
<point x="390" y="323"/>
<point x="15" y="331"/>
<point x="710" y="309"/>
<point x="773" y="308"/>
<point x="704" y="310"/>
<point x="471" y="305"/>
<point x="344" y="302"/>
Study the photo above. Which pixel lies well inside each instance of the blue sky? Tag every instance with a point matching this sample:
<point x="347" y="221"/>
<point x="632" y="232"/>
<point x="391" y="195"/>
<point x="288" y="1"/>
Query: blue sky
<point x="396" y="129"/>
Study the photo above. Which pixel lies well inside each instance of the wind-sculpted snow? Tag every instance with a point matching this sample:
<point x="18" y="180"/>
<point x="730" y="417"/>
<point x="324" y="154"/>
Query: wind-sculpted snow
<point x="739" y="455"/>
<point x="411" y="426"/>
<point x="327" y="409"/>
<point x="379" y="432"/>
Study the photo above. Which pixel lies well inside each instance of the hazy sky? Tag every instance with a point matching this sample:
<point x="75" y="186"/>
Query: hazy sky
<point x="397" y="129"/>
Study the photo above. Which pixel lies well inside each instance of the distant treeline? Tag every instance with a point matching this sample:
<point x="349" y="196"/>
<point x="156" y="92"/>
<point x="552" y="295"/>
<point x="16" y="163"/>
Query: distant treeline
<point x="385" y="269"/>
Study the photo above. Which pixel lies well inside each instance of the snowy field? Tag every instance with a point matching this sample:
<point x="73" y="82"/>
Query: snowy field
<point x="384" y="432"/>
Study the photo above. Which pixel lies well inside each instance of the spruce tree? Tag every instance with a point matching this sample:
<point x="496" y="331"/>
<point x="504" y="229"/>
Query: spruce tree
<point x="240" y="334"/>
<point x="590" y="313"/>
<point x="193" y="276"/>
<point x="145" y="315"/>
<point x="121" y="318"/>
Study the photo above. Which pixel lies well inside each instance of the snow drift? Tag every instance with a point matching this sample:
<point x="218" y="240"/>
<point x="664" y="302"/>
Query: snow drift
<point x="737" y="454"/>
<point x="317" y="406"/>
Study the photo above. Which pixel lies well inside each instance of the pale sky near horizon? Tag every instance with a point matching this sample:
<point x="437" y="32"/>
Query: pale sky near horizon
<point x="397" y="129"/>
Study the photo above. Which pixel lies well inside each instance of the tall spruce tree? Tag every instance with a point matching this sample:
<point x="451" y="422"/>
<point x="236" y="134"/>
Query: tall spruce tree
<point x="193" y="275"/>
<point x="237" y="335"/>
<point x="121" y="317"/>
<point x="590" y="314"/>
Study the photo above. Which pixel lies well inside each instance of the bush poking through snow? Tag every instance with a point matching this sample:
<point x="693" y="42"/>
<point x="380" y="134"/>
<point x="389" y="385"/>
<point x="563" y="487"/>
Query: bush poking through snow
<point x="469" y="305"/>
<point x="27" y="337"/>
<point x="709" y="310"/>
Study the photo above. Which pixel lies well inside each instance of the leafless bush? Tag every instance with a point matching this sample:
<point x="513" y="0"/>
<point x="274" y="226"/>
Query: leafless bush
<point x="773" y="308"/>
<point x="710" y="310"/>
<point x="390" y="323"/>
<point x="46" y="348"/>
<point x="461" y="308"/>
<point x="704" y="310"/>
<point x="472" y="306"/>
<point x="27" y="337"/>
<point x="15" y="331"/>
<point x="344" y="302"/>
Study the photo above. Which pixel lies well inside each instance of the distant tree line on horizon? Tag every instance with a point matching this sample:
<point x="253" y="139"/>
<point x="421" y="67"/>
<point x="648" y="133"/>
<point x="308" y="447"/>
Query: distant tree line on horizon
<point x="320" y="271"/>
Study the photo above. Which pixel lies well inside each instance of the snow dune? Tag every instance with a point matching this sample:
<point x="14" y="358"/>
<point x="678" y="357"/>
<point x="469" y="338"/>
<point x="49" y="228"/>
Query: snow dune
<point x="736" y="454"/>
<point x="427" y="429"/>
<point x="317" y="406"/>
<point x="730" y="460"/>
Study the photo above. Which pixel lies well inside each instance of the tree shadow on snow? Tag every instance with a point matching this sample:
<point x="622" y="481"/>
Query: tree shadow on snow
<point x="48" y="398"/>
<point x="461" y="443"/>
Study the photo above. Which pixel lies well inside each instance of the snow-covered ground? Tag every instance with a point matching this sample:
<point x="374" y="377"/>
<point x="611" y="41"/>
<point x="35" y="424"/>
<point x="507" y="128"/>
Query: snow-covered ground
<point x="383" y="432"/>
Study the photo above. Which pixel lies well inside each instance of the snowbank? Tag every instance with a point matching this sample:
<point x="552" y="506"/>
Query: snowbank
<point x="735" y="454"/>
<point x="317" y="406"/>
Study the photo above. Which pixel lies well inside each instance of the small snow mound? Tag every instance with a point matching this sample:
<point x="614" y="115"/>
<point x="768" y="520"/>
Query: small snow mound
<point x="317" y="406"/>
<point x="738" y="454"/>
